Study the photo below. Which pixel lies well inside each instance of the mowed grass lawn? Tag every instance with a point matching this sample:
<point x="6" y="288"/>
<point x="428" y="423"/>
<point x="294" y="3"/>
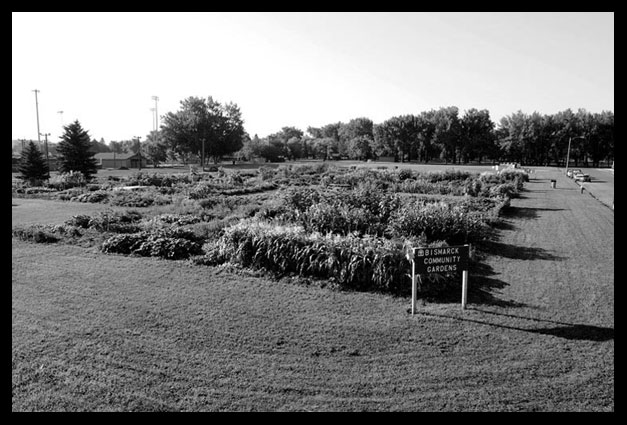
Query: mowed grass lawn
<point x="96" y="332"/>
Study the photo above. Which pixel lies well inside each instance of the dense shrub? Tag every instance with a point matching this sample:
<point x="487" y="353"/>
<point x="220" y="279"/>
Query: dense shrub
<point x="438" y="221"/>
<point x="67" y="180"/>
<point x="425" y="186"/>
<point x="175" y="219"/>
<point x="108" y="221"/>
<point x="138" y="198"/>
<point x="405" y="174"/>
<point x="355" y="263"/>
<point x="35" y="233"/>
<point x="99" y="196"/>
<point x="169" y="243"/>
<point x="157" y="179"/>
<point x="446" y="175"/>
<point x="350" y="261"/>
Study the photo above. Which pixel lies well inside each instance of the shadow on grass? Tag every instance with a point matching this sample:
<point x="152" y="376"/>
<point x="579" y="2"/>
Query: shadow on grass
<point x="525" y="213"/>
<point x="517" y="252"/>
<point x="572" y="331"/>
<point x="483" y="289"/>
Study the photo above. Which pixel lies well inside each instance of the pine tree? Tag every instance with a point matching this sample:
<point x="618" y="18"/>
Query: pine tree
<point x="75" y="151"/>
<point x="33" y="167"/>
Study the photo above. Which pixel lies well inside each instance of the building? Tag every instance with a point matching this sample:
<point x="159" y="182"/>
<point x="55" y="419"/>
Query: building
<point x="53" y="163"/>
<point x="119" y="160"/>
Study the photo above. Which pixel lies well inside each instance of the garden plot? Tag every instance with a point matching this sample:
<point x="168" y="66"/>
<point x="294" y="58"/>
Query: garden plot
<point x="350" y="226"/>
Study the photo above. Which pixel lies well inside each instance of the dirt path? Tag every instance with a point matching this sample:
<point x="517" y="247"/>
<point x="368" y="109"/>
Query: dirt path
<point x="555" y="254"/>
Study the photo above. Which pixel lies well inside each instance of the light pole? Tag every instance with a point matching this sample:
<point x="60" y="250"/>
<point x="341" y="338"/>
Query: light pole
<point x="154" y="121"/>
<point x="156" y="99"/>
<point x="37" y="109"/>
<point x="568" y="152"/>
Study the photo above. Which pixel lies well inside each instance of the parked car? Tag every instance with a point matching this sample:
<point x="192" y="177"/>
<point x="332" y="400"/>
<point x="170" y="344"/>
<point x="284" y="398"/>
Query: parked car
<point x="571" y="172"/>
<point x="581" y="177"/>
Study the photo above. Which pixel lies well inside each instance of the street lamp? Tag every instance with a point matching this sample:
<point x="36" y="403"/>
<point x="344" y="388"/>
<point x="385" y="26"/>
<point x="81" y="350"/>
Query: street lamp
<point x="154" y="122"/>
<point x="156" y="99"/>
<point x="568" y="152"/>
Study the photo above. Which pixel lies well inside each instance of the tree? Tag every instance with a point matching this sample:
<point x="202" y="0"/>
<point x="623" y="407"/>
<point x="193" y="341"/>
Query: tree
<point x="396" y="136"/>
<point x="75" y="153"/>
<point x="117" y="147"/>
<point x="99" y="146"/>
<point x="271" y="152"/>
<point x="353" y="134"/>
<point x="295" y="148"/>
<point x="204" y="127"/>
<point x="360" y="147"/>
<point x="477" y="135"/>
<point x="155" y="149"/>
<point x="447" y="132"/>
<point x="33" y="167"/>
<point x="251" y="148"/>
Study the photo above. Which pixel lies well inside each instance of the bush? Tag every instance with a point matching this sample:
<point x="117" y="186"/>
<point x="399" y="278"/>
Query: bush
<point x="439" y="221"/>
<point x="172" y="244"/>
<point x="108" y="221"/>
<point x="405" y="174"/>
<point x="99" y="196"/>
<point x="68" y="180"/>
<point x="350" y="262"/>
<point x="138" y="198"/>
<point x="35" y="233"/>
<point x="157" y="179"/>
<point x="176" y="219"/>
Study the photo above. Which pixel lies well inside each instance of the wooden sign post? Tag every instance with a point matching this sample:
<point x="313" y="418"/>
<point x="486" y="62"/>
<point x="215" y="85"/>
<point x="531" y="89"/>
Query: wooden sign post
<point x="439" y="260"/>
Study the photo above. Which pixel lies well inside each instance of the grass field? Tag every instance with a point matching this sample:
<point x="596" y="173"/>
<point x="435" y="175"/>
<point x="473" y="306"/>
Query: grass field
<point x="96" y="332"/>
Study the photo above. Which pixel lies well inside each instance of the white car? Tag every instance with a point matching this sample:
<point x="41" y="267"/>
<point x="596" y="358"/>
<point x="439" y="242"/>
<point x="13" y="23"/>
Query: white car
<point x="581" y="177"/>
<point x="570" y="173"/>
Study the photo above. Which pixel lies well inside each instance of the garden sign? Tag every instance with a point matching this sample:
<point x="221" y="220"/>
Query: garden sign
<point x="439" y="260"/>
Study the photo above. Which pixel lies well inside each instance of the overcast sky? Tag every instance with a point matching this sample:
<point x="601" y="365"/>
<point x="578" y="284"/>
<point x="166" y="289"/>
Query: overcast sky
<point x="302" y="69"/>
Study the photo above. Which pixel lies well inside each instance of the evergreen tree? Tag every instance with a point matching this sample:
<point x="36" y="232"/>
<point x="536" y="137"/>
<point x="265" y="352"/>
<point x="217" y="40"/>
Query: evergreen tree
<point x="75" y="151"/>
<point x="33" y="167"/>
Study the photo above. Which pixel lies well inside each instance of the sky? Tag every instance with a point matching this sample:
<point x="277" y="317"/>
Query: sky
<point x="302" y="69"/>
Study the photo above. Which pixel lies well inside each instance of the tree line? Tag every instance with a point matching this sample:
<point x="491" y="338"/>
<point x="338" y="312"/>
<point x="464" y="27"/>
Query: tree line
<point x="204" y="128"/>
<point x="443" y="135"/>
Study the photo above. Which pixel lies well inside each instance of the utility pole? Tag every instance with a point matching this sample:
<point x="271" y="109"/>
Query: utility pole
<point x="37" y="109"/>
<point x="47" y="157"/>
<point x="139" y="151"/>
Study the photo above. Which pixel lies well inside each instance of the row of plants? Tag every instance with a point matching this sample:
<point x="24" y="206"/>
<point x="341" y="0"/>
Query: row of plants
<point x="350" y="262"/>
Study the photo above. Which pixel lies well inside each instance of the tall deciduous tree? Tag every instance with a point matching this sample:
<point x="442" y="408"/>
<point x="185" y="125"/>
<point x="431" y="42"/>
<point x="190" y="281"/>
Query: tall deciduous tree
<point x="204" y="127"/>
<point x="75" y="151"/>
<point x="155" y="149"/>
<point x="33" y="167"/>
<point x="477" y="135"/>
